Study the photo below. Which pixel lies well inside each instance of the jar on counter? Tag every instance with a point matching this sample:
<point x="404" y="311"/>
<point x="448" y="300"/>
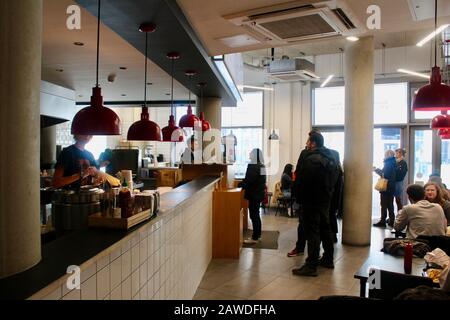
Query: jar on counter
<point x="125" y="202"/>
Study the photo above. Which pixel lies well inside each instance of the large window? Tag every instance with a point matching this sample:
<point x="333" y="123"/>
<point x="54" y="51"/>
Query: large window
<point x="390" y="105"/>
<point x="245" y="122"/>
<point x="248" y="113"/>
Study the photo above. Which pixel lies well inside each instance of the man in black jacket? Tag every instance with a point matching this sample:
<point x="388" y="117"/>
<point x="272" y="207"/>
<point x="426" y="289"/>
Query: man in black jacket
<point x="317" y="174"/>
<point x="335" y="205"/>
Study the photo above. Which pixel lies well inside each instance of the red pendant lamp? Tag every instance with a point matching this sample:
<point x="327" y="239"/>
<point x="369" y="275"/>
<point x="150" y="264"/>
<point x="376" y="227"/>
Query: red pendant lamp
<point x="444" y="134"/>
<point x="190" y="120"/>
<point x="145" y="129"/>
<point x="172" y="133"/>
<point x="436" y="95"/>
<point x="441" y="121"/>
<point x="206" y="126"/>
<point x="96" y="120"/>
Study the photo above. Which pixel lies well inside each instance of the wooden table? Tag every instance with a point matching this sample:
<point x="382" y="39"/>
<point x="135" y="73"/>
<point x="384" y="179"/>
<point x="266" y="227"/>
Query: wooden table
<point x="387" y="262"/>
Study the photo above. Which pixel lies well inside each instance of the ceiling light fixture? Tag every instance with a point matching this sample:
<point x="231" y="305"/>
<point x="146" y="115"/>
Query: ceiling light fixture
<point x="255" y="87"/>
<point x="352" y="38"/>
<point x="436" y="95"/>
<point x="441" y="121"/>
<point x="96" y="119"/>
<point x="206" y="126"/>
<point x="190" y="120"/>
<point x="172" y="133"/>
<point x="327" y="81"/>
<point x="422" y="42"/>
<point x="273" y="136"/>
<point x="413" y="73"/>
<point x="145" y="129"/>
<point x="444" y="134"/>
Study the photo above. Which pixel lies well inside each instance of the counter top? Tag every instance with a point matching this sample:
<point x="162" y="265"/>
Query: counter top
<point x="80" y="246"/>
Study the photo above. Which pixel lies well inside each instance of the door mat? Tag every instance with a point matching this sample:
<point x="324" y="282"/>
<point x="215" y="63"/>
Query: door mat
<point x="269" y="240"/>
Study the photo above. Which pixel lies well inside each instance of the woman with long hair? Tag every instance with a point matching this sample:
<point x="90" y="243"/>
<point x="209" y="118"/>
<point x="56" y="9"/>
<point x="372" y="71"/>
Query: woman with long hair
<point x="434" y="194"/>
<point x="253" y="185"/>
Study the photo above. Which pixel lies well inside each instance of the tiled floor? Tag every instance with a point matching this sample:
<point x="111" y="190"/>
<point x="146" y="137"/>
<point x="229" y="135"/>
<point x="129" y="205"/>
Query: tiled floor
<point x="266" y="274"/>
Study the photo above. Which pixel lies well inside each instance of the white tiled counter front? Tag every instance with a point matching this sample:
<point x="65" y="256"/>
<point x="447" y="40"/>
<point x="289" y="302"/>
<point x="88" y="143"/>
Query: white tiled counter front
<point x="164" y="259"/>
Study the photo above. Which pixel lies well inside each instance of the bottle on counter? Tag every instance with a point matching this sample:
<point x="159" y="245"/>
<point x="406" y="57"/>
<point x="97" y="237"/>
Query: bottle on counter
<point x="408" y="258"/>
<point x="125" y="200"/>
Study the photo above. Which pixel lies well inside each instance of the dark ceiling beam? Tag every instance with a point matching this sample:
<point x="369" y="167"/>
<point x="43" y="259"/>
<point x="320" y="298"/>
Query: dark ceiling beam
<point x="173" y="33"/>
<point x="162" y="103"/>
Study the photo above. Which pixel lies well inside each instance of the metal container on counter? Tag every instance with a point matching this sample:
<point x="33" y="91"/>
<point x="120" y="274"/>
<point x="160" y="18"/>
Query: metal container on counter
<point x="155" y="200"/>
<point x="70" y="209"/>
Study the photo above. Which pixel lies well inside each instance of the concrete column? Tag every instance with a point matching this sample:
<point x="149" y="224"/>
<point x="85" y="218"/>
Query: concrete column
<point x="212" y="107"/>
<point x="20" y="65"/>
<point x="359" y="91"/>
<point x="48" y="145"/>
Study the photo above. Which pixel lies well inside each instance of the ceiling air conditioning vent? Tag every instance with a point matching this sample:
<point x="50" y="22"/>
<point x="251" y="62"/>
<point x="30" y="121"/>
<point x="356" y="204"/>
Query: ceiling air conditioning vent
<point x="294" y="22"/>
<point x="344" y="18"/>
<point x="292" y="70"/>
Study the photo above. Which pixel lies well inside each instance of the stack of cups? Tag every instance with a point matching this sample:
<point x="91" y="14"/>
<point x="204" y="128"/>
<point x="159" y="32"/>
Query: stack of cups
<point x="127" y="175"/>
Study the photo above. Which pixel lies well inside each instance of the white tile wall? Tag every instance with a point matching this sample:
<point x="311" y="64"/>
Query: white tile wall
<point x="116" y="272"/>
<point x="165" y="259"/>
<point x="126" y="265"/>
<point x="103" y="283"/>
<point x="73" y="295"/>
<point x="89" y="289"/>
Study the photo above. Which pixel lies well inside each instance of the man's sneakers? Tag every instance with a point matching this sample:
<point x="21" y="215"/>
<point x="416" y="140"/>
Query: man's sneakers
<point x="252" y="241"/>
<point x="295" y="253"/>
<point x="305" y="271"/>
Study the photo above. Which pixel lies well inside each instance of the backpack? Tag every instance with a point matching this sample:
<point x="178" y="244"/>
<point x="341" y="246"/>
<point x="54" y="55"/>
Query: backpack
<point x="322" y="173"/>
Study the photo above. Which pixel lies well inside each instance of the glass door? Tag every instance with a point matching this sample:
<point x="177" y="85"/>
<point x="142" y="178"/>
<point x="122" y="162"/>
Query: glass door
<point x="422" y="154"/>
<point x="445" y="162"/>
<point x="383" y="139"/>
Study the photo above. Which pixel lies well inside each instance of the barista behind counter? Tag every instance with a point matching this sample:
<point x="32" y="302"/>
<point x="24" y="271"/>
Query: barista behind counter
<point x="77" y="166"/>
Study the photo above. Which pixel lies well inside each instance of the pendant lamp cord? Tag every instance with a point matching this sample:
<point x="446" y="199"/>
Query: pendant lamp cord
<point x="435" y="30"/>
<point x="145" y="82"/>
<point x="98" y="39"/>
<point x="171" y="108"/>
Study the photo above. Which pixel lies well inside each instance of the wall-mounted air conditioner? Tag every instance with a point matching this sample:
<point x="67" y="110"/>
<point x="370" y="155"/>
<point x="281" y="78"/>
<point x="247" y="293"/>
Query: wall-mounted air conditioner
<point x="296" y="21"/>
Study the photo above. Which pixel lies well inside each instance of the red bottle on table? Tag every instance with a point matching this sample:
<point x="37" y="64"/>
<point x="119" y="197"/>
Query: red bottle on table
<point x="408" y="258"/>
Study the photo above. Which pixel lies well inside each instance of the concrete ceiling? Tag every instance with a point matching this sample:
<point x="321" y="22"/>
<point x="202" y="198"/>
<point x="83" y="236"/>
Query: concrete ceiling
<point x="206" y="17"/>
<point x="78" y="62"/>
<point x="398" y="26"/>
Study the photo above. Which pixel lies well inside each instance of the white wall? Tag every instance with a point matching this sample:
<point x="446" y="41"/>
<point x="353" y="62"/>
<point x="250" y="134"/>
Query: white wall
<point x="287" y="109"/>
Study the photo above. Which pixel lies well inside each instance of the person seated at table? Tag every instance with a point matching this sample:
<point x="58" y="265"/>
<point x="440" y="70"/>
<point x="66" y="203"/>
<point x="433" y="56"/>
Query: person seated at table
<point x="286" y="181"/>
<point x="435" y="194"/>
<point x="420" y="217"/>
<point x="436" y="178"/>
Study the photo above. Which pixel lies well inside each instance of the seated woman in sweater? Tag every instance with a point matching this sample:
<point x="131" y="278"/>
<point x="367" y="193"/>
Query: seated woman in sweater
<point x="286" y="180"/>
<point x="434" y="194"/>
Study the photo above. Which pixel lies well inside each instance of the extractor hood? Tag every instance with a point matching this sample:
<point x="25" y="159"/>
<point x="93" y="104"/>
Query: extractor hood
<point x="57" y="104"/>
